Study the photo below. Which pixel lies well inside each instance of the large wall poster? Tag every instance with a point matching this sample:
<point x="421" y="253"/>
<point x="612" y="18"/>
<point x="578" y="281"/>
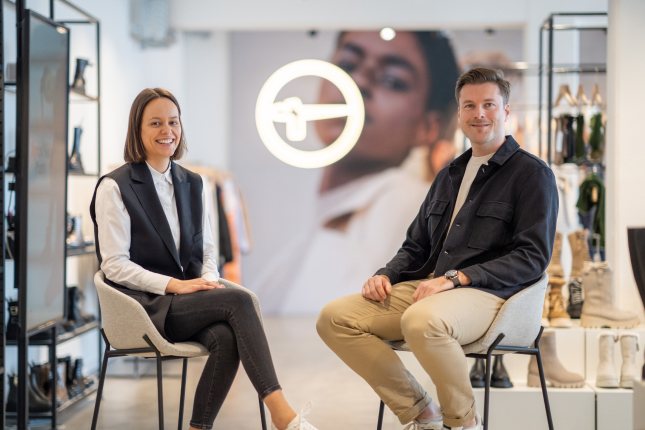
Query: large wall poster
<point x="319" y="233"/>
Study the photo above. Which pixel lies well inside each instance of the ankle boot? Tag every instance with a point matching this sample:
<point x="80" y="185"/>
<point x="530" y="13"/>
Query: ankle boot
<point x="579" y="252"/>
<point x="74" y="163"/>
<point x="558" y="316"/>
<point x="500" y="378"/>
<point x="477" y="374"/>
<point x="554" y="372"/>
<point x="36" y="403"/>
<point x="78" y="85"/>
<point x="598" y="309"/>
<point x="606" y="377"/>
<point x="628" y="348"/>
<point x="555" y="265"/>
<point x="574" y="308"/>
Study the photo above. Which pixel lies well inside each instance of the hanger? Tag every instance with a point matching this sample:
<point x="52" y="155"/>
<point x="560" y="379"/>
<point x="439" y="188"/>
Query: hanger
<point x="565" y="93"/>
<point x="581" y="97"/>
<point x="596" y="98"/>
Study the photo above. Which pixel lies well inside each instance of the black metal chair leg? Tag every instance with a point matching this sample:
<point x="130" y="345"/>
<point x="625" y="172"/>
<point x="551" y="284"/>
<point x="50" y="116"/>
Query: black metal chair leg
<point x="99" y="393"/>
<point x="263" y="417"/>
<point x="487" y="389"/>
<point x="538" y="357"/>
<point x="381" y="409"/>
<point x="182" y="393"/>
<point x="160" y="390"/>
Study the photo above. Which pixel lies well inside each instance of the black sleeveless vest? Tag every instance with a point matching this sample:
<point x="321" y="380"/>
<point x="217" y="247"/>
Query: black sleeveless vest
<point x="151" y="243"/>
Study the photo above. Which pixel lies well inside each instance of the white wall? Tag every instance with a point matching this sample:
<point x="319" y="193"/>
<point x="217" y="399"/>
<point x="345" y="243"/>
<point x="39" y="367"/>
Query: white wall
<point x="625" y="152"/>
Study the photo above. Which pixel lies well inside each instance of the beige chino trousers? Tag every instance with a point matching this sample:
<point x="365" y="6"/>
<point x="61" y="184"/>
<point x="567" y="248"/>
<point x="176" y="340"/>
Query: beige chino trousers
<point x="434" y="328"/>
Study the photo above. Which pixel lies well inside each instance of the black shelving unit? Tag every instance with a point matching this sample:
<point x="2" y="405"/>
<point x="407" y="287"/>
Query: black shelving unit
<point x="548" y="29"/>
<point x="48" y="336"/>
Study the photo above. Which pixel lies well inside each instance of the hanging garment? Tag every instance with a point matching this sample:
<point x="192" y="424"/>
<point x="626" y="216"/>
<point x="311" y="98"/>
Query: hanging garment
<point x="597" y="138"/>
<point x="580" y="146"/>
<point x="592" y="202"/>
<point x="568" y="138"/>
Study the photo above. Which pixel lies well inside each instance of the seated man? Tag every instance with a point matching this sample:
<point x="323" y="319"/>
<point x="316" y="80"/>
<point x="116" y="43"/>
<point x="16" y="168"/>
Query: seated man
<point x="486" y="229"/>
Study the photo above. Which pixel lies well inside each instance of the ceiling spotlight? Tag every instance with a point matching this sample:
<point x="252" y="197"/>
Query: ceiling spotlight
<point x="388" y="33"/>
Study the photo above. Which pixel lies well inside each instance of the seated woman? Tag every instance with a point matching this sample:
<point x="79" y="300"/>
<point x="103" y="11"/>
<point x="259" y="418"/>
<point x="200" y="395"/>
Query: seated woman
<point x="154" y="244"/>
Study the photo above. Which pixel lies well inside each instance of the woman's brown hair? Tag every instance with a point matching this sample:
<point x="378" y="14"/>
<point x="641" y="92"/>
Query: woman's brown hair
<point x="134" y="152"/>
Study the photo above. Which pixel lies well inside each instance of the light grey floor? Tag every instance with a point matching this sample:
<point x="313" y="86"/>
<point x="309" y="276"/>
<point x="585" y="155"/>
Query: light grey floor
<point x="307" y="370"/>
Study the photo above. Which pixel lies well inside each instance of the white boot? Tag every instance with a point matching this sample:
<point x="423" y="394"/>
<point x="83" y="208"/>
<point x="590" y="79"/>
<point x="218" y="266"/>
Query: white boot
<point x="628" y="347"/>
<point x="606" y="377"/>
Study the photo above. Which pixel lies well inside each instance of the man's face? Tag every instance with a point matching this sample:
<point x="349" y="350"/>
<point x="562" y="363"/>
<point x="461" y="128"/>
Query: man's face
<point x="393" y="79"/>
<point x="482" y="114"/>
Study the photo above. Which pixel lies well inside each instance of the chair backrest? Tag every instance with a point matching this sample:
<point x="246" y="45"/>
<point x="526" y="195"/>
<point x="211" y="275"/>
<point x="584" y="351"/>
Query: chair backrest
<point x="519" y="319"/>
<point x="125" y="322"/>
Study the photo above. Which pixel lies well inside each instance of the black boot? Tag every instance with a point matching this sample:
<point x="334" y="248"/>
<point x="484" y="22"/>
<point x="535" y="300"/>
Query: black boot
<point x="500" y="377"/>
<point x="36" y="403"/>
<point x="78" y="86"/>
<point x="74" y="164"/>
<point x="13" y="326"/>
<point x="574" y="308"/>
<point x="477" y="373"/>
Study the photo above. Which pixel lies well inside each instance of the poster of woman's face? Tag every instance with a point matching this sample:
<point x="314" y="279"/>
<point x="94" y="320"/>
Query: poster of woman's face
<point x="320" y="233"/>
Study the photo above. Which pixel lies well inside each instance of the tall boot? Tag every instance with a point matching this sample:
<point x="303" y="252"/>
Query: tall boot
<point x="606" y="376"/>
<point x="74" y="163"/>
<point x="628" y="348"/>
<point x="554" y="372"/>
<point x="598" y="309"/>
<point x="477" y="374"/>
<point x="579" y="252"/>
<point x="545" y="310"/>
<point x="558" y="316"/>
<point x="500" y="378"/>
<point x="555" y="265"/>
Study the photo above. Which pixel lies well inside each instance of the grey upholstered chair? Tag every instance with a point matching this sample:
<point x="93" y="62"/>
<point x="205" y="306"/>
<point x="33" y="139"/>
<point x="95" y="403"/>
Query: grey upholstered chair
<point x="516" y="329"/>
<point x="128" y="330"/>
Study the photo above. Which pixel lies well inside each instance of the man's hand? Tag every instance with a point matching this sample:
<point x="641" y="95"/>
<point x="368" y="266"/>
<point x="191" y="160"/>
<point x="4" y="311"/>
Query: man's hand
<point x="175" y="286"/>
<point x="377" y="288"/>
<point x="432" y="286"/>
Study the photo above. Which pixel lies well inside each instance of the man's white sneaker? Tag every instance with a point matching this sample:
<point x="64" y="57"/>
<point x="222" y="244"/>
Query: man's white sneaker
<point x="436" y="424"/>
<point x="478" y="425"/>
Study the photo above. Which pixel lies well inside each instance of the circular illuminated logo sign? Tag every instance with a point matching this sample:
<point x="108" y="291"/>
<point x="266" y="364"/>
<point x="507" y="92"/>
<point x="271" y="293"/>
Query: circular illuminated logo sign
<point x="295" y="114"/>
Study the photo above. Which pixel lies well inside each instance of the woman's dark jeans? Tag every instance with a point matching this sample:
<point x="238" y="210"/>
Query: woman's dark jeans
<point x="225" y="321"/>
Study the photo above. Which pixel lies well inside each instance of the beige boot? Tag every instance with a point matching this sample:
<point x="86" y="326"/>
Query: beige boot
<point x="555" y="265"/>
<point x="545" y="310"/>
<point x="579" y="252"/>
<point x="598" y="309"/>
<point x="606" y="376"/>
<point x="628" y="348"/>
<point x="554" y="372"/>
<point x="558" y="316"/>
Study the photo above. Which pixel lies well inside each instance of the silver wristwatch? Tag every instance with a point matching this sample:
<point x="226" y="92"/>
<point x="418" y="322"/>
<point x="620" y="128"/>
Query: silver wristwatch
<point x="453" y="276"/>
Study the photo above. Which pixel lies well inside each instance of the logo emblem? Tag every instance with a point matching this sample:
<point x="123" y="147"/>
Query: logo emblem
<point x="295" y="114"/>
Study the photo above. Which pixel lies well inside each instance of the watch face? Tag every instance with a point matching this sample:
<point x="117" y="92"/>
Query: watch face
<point x="451" y="274"/>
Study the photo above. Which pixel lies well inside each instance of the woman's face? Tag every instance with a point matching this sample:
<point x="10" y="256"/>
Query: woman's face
<point x="393" y="78"/>
<point x="160" y="131"/>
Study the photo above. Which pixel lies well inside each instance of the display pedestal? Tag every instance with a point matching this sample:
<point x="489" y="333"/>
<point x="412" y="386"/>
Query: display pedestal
<point x="638" y="402"/>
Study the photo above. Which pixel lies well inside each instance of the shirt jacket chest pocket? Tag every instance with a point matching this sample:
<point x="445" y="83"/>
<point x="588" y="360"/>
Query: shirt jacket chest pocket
<point x="491" y="226"/>
<point x="434" y="214"/>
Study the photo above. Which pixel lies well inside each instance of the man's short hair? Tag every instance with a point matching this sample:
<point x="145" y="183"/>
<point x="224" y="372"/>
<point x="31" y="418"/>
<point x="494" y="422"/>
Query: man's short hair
<point x="482" y="75"/>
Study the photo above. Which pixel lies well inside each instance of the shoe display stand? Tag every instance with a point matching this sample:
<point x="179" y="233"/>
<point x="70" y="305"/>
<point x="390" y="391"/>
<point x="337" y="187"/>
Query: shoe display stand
<point x="84" y="110"/>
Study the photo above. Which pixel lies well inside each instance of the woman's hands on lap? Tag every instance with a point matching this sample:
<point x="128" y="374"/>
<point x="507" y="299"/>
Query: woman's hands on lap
<point x="176" y="286"/>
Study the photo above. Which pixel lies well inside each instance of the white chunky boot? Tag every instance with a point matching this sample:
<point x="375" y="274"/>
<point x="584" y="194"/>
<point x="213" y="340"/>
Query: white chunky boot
<point x="606" y="376"/>
<point x="628" y="348"/>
